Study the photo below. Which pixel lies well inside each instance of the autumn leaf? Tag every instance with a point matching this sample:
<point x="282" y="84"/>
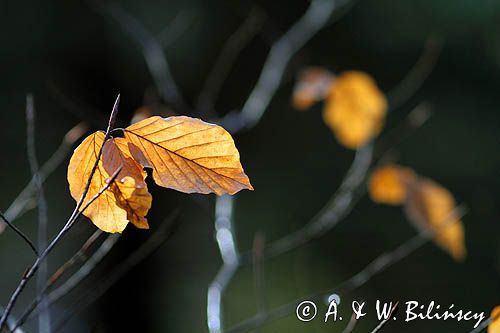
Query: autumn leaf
<point x="312" y="86"/>
<point x="127" y="200"/>
<point x="188" y="155"/>
<point x="494" y="326"/>
<point x="355" y="109"/>
<point x="388" y="184"/>
<point x="429" y="205"/>
<point x="104" y="211"/>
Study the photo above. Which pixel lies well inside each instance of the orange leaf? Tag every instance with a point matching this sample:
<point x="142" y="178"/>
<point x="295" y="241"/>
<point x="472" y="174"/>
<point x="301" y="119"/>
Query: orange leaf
<point x="494" y="326"/>
<point x="431" y="205"/>
<point x="188" y="155"/>
<point x="126" y="200"/>
<point x="312" y="86"/>
<point x="355" y="109"/>
<point x="388" y="184"/>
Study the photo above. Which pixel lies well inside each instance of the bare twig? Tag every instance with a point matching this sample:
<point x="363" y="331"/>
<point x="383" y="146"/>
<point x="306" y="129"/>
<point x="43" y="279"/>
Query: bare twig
<point x="176" y="28"/>
<point x="258" y="269"/>
<point x="315" y="18"/>
<point x="20" y="233"/>
<point x="351" y="324"/>
<point x="24" y="200"/>
<point x="227" y="56"/>
<point x="152" y="51"/>
<point x="384" y="321"/>
<point x="10" y="323"/>
<point x="164" y="231"/>
<point x="79" y="255"/>
<point x="378" y="265"/>
<point x="69" y="224"/>
<point x="44" y="315"/>
<point x="414" y="79"/>
<point x="227" y="247"/>
<point x="332" y="213"/>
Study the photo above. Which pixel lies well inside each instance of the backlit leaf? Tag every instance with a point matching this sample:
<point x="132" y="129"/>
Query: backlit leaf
<point x="188" y="155"/>
<point x="312" y="86"/>
<point x="355" y="109"/>
<point x="494" y="326"/>
<point x="429" y="204"/>
<point x="388" y="184"/>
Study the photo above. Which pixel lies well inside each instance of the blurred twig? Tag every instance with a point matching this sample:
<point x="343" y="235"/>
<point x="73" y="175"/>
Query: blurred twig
<point x="378" y="265"/>
<point x="10" y="323"/>
<point x="25" y="200"/>
<point x="44" y="324"/>
<point x="351" y="324"/>
<point x="227" y="56"/>
<point x="164" y="231"/>
<point x="79" y="208"/>
<point x="384" y="321"/>
<point x="152" y="51"/>
<point x="258" y="269"/>
<point x="226" y="242"/>
<point x="176" y="28"/>
<point x="314" y="19"/>
<point x="416" y="76"/>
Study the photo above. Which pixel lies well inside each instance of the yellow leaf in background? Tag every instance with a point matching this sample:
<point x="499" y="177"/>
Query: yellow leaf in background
<point x="104" y="211"/>
<point x="494" y="326"/>
<point x="312" y="86"/>
<point x="355" y="109"/>
<point x="429" y="204"/>
<point x="388" y="184"/>
<point x="189" y="155"/>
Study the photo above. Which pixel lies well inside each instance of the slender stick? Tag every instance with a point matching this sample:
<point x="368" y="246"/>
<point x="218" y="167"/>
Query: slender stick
<point x="23" y="201"/>
<point x="44" y="323"/>
<point x="314" y="19"/>
<point x="384" y="321"/>
<point x="20" y="233"/>
<point x="376" y="266"/>
<point x="165" y="230"/>
<point x="70" y="222"/>
<point x="227" y="247"/>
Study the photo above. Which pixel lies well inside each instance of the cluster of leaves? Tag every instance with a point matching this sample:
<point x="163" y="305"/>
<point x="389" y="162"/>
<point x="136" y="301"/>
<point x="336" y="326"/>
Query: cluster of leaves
<point x="185" y="154"/>
<point x="354" y="107"/>
<point x="426" y="204"/>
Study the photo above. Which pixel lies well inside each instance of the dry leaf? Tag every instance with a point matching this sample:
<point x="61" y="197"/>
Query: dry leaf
<point x="388" y="184"/>
<point x="355" y="109"/>
<point x="312" y="86"/>
<point x="189" y="155"/>
<point x="429" y="204"/>
<point x="130" y="191"/>
<point x="104" y="211"/>
<point x="494" y="326"/>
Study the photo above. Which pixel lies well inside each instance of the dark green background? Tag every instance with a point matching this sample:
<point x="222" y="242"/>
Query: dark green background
<point x="294" y="162"/>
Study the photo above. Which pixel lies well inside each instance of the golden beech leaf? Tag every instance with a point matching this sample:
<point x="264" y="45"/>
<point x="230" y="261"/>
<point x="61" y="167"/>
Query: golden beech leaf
<point x="188" y="155"/>
<point x="312" y="86"/>
<point x="355" y="109"/>
<point x="494" y="326"/>
<point x="388" y="184"/>
<point x="125" y="200"/>
<point x="428" y="204"/>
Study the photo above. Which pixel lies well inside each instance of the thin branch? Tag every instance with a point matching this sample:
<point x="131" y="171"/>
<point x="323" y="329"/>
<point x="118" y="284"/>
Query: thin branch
<point x="351" y="324"/>
<point x="315" y="18"/>
<point x="164" y="231"/>
<point x="24" y="201"/>
<point x="152" y="51"/>
<point x="258" y="271"/>
<point x="69" y="224"/>
<point x="66" y="287"/>
<point x="175" y="28"/>
<point x="227" y="247"/>
<point x="378" y="265"/>
<point x="44" y="323"/>
<point x="20" y="233"/>
<point x="384" y="321"/>
<point x="227" y="56"/>
<point x="417" y="75"/>
<point x="332" y="213"/>
<point x="10" y="323"/>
